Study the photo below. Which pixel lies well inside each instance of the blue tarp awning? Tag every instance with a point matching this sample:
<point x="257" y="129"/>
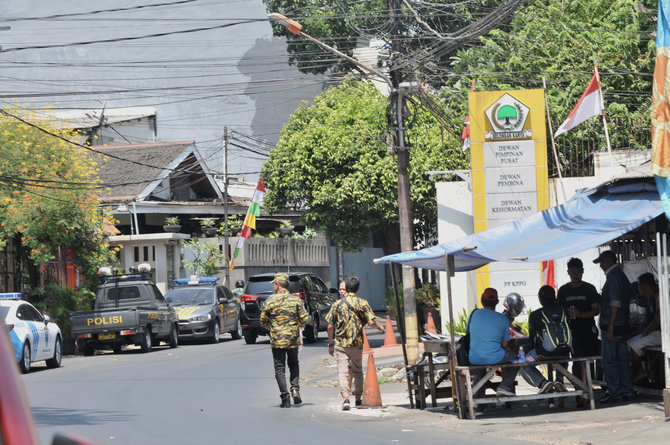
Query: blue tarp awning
<point x="589" y="219"/>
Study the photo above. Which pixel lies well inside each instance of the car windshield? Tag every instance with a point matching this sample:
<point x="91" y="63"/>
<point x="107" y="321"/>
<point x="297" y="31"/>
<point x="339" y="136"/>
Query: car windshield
<point x="262" y="286"/>
<point x="4" y="310"/>
<point x="190" y="296"/>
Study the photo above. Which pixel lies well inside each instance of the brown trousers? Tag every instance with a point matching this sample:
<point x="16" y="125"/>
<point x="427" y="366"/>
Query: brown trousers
<point x="349" y="363"/>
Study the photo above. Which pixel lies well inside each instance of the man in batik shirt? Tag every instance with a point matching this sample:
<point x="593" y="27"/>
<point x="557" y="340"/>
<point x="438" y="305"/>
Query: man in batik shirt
<point x="346" y="319"/>
<point x="283" y="315"/>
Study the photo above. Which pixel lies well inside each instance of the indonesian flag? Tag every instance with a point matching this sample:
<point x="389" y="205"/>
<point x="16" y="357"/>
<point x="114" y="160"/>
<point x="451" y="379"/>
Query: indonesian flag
<point x="660" y="107"/>
<point x="589" y="105"/>
<point x="250" y="220"/>
<point x="548" y="273"/>
<point x="465" y="136"/>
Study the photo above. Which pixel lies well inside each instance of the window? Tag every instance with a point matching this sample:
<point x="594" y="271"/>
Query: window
<point x="28" y="313"/>
<point x="145" y="251"/>
<point x="158" y="295"/>
<point x="123" y="293"/>
<point x="136" y="253"/>
<point x="320" y="285"/>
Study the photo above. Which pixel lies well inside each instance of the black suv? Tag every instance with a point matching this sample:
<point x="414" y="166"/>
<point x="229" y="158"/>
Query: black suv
<point x="310" y="288"/>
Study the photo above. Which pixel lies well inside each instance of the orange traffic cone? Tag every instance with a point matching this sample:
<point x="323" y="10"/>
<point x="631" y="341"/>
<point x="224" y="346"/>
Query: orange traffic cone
<point x="430" y="327"/>
<point x="366" y="345"/>
<point x="389" y="338"/>
<point x="371" y="396"/>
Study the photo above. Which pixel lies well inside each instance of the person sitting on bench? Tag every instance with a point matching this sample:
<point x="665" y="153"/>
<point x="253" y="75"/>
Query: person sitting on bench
<point x="489" y="338"/>
<point x="550" y="336"/>
<point x="650" y="333"/>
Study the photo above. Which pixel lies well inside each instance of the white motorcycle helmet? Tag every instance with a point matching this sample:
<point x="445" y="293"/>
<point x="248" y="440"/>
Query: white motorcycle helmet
<point x="514" y="304"/>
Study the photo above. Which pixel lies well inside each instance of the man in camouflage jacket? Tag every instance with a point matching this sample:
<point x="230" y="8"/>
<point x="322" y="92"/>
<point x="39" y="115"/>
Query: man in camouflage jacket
<point x="283" y="315"/>
<point x="346" y="319"/>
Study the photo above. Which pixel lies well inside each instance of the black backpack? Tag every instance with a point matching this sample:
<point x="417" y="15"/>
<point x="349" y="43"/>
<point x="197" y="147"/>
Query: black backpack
<point x="463" y="345"/>
<point x="555" y="337"/>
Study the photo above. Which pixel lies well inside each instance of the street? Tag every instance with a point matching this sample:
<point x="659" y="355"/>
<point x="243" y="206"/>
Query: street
<point x="199" y="393"/>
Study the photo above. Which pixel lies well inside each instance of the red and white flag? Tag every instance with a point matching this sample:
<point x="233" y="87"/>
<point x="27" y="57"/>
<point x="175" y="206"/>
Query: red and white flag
<point x="465" y="136"/>
<point x="589" y="105"/>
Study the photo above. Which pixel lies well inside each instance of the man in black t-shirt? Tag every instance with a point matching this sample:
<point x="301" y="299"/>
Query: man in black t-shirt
<point x="581" y="302"/>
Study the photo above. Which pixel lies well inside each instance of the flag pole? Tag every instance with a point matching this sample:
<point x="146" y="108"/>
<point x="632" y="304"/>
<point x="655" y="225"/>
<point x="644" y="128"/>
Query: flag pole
<point x="553" y="142"/>
<point x="607" y="134"/>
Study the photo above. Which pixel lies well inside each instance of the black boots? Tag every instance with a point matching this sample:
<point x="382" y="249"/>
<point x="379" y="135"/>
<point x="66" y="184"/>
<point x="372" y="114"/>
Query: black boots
<point x="296" y="396"/>
<point x="285" y="401"/>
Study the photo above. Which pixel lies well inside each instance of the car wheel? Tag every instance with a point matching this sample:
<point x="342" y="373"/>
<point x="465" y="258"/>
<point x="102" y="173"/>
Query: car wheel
<point x="216" y="335"/>
<point x="84" y="348"/>
<point x="58" y="354"/>
<point x="237" y="332"/>
<point x="174" y="336"/>
<point x="25" y="358"/>
<point x="146" y="343"/>
<point x="250" y="338"/>
<point x="311" y="332"/>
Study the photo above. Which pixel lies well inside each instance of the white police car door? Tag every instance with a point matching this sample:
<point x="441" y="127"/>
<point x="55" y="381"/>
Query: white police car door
<point x="40" y="344"/>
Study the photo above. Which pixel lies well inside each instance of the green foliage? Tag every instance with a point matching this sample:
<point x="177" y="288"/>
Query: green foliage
<point x="285" y="224"/>
<point x="389" y="299"/>
<point x="207" y="257"/>
<point x="234" y="222"/>
<point x="306" y="234"/>
<point x="206" y="223"/>
<point x="429" y="295"/>
<point x="561" y="39"/>
<point x="52" y="201"/>
<point x="339" y="24"/>
<point x="460" y="323"/>
<point x="341" y="173"/>
<point x="172" y="221"/>
<point x="58" y="302"/>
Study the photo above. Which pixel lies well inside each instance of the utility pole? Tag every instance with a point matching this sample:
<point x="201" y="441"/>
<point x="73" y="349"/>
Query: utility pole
<point x="226" y="248"/>
<point x="397" y="123"/>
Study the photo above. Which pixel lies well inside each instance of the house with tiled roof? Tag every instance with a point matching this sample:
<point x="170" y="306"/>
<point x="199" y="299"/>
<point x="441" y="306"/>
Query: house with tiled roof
<point x="146" y="183"/>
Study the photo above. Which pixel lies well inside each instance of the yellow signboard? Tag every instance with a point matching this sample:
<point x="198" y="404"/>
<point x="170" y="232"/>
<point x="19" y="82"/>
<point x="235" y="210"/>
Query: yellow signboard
<point x="508" y="144"/>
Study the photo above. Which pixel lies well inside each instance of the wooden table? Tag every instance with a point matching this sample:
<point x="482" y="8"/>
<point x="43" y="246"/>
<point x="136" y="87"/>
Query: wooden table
<point x="423" y="375"/>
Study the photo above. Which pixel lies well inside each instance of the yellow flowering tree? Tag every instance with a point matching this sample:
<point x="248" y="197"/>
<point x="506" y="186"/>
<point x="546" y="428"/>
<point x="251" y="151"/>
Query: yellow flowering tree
<point x="49" y="193"/>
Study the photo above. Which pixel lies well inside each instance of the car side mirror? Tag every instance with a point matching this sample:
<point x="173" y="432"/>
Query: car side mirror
<point x="47" y="319"/>
<point x="222" y="300"/>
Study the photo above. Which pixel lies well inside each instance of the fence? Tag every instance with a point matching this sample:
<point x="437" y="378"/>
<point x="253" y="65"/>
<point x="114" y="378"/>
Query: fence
<point x="576" y="147"/>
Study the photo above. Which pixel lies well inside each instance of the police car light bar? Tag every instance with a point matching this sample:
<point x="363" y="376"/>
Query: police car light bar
<point x="202" y="280"/>
<point x="10" y="296"/>
<point x="121" y="278"/>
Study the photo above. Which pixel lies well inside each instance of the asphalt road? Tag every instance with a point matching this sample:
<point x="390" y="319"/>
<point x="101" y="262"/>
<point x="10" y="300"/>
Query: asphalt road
<point x="203" y="393"/>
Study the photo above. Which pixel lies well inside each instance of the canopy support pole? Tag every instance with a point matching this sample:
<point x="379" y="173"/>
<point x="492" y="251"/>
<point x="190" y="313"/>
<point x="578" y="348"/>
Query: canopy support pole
<point x="453" y="362"/>
<point x="664" y="300"/>
<point x="401" y="328"/>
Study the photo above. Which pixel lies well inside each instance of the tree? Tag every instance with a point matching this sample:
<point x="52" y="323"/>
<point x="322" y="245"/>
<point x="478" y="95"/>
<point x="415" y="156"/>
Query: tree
<point x="332" y="161"/>
<point x="207" y="256"/>
<point x="49" y="194"/>
<point x="425" y="28"/>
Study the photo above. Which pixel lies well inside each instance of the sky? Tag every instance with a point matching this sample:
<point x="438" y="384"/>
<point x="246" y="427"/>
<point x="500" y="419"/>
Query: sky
<point x="73" y="54"/>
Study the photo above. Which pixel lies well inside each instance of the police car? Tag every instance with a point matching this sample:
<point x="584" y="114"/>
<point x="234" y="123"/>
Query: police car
<point x="33" y="336"/>
<point x="205" y="309"/>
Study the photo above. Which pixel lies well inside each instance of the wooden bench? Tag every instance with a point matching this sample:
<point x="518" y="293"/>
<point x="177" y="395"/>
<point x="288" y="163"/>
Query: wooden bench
<point x="582" y="387"/>
<point x="653" y="360"/>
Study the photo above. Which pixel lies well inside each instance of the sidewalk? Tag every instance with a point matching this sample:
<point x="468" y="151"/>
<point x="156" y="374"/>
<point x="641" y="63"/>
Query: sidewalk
<point x="640" y="421"/>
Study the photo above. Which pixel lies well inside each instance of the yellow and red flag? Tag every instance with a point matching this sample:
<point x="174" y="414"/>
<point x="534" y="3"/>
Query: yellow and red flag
<point x="250" y="220"/>
<point x="660" y="111"/>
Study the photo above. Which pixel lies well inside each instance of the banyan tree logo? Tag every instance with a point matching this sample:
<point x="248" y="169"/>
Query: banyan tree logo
<point x="507" y="117"/>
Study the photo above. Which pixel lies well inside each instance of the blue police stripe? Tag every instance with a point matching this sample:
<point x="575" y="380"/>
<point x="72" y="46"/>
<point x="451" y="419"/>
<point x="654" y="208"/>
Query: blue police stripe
<point x="36" y="336"/>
